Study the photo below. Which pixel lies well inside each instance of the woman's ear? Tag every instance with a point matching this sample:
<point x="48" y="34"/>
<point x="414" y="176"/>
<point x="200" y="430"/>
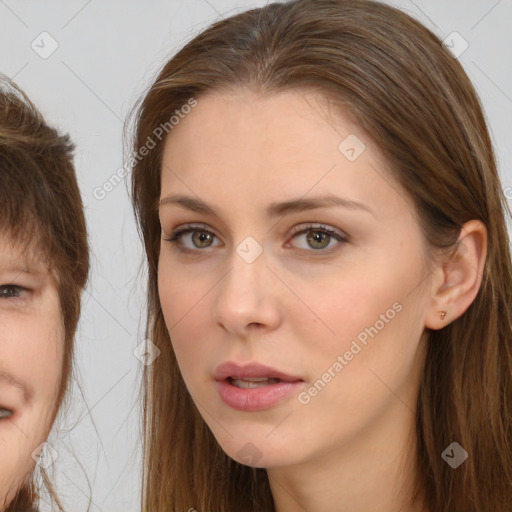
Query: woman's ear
<point x="459" y="276"/>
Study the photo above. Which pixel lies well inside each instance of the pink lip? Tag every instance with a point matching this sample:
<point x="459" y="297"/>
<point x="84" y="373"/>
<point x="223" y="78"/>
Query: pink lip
<point x="254" y="399"/>
<point x="254" y="370"/>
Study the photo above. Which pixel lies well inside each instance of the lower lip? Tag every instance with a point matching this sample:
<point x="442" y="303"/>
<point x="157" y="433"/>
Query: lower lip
<point x="256" y="399"/>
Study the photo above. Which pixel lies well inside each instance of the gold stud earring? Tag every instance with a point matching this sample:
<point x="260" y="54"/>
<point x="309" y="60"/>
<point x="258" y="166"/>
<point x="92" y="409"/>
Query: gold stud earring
<point x="443" y="314"/>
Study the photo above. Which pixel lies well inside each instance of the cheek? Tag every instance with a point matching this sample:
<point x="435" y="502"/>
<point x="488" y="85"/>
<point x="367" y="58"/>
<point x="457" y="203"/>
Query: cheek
<point x="178" y="296"/>
<point x="340" y="310"/>
<point x="186" y="308"/>
<point x="34" y="354"/>
<point x="368" y="313"/>
<point x="42" y="359"/>
<point x="377" y="319"/>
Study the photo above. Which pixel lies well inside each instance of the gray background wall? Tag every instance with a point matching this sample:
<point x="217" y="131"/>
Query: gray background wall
<point x="107" y="53"/>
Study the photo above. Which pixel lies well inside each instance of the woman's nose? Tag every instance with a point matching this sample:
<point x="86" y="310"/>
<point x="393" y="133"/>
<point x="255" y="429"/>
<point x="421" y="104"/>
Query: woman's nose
<point x="248" y="295"/>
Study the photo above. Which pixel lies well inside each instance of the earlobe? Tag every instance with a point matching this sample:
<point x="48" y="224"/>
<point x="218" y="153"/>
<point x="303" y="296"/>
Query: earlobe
<point x="461" y="272"/>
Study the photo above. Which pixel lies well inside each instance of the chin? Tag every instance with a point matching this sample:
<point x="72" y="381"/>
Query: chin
<point x="258" y="452"/>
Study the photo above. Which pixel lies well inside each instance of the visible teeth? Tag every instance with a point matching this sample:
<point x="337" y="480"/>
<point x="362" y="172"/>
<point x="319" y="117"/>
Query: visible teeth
<point x="5" y="413"/>
<point x="255" y="379"/>
<point x="253" y="382"/>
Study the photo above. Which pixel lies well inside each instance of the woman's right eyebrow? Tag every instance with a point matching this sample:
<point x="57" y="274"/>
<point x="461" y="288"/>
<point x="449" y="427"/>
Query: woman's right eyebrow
<point x="278" y="209"/>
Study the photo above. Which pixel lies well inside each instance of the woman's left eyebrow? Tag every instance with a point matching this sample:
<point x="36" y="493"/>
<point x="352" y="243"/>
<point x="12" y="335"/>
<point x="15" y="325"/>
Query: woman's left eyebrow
<point x="278" y="209"/>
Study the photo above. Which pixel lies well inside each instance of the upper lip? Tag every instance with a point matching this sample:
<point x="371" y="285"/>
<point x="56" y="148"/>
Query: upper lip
<point x="233" y="370"/>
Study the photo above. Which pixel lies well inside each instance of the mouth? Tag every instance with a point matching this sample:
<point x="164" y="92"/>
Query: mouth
<point x="255" y="382"/>
<point x="252" y="373"/>
<point x="254" y="387"/>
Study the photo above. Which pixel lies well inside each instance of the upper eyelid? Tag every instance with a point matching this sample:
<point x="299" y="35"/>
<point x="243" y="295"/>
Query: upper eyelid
<point x="304" y="226"/>
<point x="13" y="285"/>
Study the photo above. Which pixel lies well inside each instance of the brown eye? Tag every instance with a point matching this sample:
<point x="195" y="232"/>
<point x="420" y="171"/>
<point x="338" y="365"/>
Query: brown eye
<point x="191" y="238"/>
<point x="319" y="238"/>
<point x="202" y="239"/>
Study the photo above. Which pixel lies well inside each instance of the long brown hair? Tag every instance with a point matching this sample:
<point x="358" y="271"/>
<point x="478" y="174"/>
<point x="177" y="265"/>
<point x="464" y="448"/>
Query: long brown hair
<point x="42" y="212"/>
<point x="414" y="100"/>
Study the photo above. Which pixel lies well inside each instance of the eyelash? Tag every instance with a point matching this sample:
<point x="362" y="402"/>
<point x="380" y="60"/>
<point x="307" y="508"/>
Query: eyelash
<point x="175" y="237"/>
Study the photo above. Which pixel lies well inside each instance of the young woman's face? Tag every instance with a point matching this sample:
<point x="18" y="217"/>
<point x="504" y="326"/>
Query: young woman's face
<point x="295" y="311"/>
<point x="31" y="357"/>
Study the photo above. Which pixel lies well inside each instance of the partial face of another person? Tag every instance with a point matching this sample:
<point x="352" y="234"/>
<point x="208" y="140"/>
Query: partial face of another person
<point x="31" y="357"/>
<point x="296" y="318"/>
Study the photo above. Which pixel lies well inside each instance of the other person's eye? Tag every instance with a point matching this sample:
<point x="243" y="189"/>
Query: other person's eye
<point x="5" y="413"/>
<point x="11" y="291"/>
